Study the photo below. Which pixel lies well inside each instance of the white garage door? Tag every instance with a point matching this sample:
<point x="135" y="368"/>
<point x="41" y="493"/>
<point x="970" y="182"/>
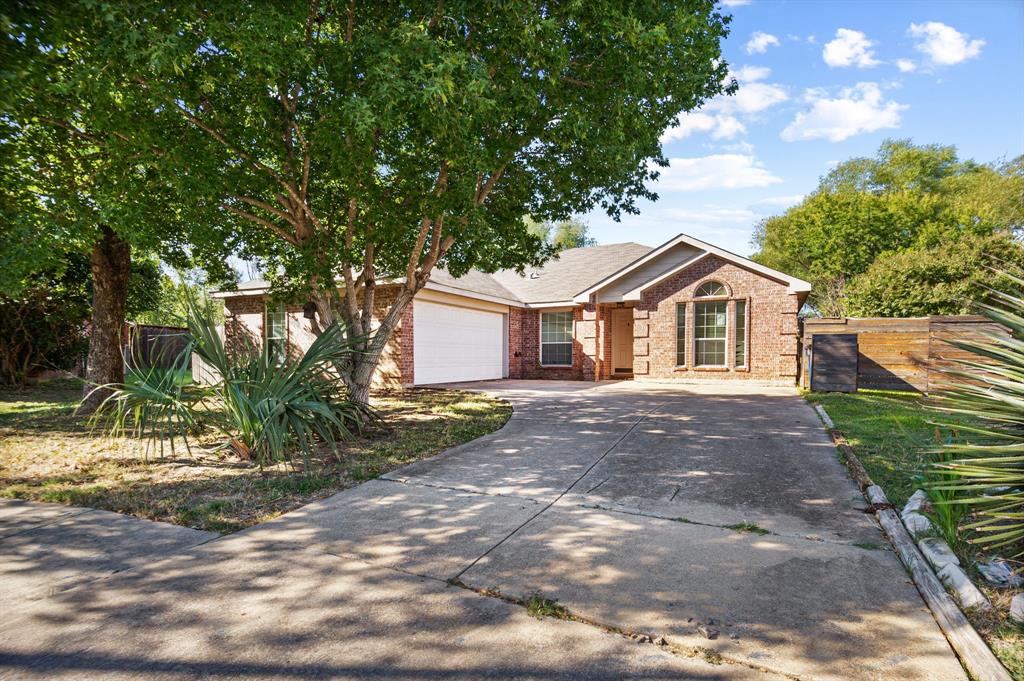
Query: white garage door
<point x="456" y="344"/>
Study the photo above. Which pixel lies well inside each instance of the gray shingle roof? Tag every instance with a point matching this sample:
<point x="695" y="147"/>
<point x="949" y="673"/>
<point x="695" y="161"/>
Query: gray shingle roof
<point x="559" y="279"/>
<point x="473" y="281"/>
<point x="573" y="271"/>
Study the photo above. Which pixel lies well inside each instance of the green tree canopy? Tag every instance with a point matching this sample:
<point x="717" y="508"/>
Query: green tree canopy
<point x="907" y="197"/>
<point x="572" y="233"/>
<point x="361" y="142"/>
<point x="935" y="280"/>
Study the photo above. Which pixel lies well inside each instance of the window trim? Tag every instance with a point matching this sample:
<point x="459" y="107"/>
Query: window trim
<point x="540" y="338"/>
<point x="718" y="296"/>
<point x="717" y="300"/>
<point x="269" y="309"/>
<point x="681" y="306"/>
<point x="746" y="333"/>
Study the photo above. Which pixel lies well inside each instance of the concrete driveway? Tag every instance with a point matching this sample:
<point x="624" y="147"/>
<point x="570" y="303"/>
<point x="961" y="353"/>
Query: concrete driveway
<point x="718" y="517"/>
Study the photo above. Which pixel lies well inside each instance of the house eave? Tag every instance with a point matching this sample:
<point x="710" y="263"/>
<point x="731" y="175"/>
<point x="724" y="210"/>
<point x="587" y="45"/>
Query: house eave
<point x="795" y="285"/>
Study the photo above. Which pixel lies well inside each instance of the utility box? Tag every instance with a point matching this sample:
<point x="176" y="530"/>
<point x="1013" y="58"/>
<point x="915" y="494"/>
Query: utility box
<point x="834" y="363"/>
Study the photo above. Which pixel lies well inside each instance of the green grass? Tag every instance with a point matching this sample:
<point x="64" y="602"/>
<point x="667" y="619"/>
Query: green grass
<point x="751" y="528"/>
<point x="47" y="453"/>
<point x="891" y="432"/>
<point x="540" y="607"/>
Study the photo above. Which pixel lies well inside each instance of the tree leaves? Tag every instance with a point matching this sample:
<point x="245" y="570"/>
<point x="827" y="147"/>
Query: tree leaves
<point x="909" y="199"/>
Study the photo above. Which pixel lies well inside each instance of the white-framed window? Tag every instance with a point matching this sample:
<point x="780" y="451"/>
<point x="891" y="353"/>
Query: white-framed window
<point x="709" y="327"/>
<point x="680" y="334"/>
<point x="711" y="289"/>
<point x="277" y="332"/>
<point x="740" y="346"/>
<point x="556" y="338"/>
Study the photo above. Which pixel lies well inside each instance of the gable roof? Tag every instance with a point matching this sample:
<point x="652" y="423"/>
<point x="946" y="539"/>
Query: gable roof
<point x="795" y="285"/>
<point x="574" y="275"/>
<point x="561" y="278"/>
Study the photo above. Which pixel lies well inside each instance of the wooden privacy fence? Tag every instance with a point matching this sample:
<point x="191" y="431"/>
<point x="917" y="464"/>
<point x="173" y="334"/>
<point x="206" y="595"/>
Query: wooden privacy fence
<point x="843" y="354"/>
<point x="149" y="346"/>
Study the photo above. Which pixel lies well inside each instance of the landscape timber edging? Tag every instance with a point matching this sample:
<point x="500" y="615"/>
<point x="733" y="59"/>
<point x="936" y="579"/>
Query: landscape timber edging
<point x="975" y="655"/>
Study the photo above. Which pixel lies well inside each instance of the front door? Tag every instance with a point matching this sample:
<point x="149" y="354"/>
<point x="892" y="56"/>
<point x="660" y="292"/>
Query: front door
<point x="622" y="340"/>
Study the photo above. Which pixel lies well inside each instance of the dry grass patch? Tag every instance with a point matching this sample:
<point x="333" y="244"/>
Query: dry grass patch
<point x="49" y="454"/>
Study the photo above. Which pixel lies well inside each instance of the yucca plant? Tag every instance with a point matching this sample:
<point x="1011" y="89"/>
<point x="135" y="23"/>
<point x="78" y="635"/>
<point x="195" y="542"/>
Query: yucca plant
<point x="984" y="469"/>
<point x="266" y="410"/>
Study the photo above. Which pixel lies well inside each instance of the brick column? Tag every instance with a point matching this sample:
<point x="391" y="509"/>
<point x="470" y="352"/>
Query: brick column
<point x="641" y="342"/>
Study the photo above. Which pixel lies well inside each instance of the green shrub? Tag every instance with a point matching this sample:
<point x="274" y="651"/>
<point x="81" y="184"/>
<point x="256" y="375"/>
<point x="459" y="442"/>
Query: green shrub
<point x="267" y="410"/>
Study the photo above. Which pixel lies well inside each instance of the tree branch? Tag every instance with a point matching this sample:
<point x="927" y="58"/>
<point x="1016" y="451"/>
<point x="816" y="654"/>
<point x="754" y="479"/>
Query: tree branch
<point x="261" y="221"/>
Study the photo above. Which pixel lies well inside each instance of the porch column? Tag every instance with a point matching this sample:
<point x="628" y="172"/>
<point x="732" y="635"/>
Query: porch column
<point x="641" y="342"/>
<point x="586" y="333"/>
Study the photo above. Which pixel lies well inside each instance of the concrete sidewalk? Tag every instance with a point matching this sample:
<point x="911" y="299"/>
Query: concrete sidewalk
<point x="616" y="500"/>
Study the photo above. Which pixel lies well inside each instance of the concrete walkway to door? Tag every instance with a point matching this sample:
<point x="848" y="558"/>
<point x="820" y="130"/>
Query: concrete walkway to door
<point x="626" y="502"/>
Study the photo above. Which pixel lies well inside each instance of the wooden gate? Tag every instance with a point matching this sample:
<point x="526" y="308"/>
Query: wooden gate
<point x="834" y="363"/>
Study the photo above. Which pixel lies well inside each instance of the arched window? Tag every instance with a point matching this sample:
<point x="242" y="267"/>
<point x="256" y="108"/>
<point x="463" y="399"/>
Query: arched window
<point x="711" y="289"/>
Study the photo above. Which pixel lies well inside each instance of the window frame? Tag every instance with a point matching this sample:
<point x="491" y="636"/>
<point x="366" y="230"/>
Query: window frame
<point x="542" y="342"/>
<point x="740" y="333"/>
<point x="268" y="310"/>
<point x="724" y="295"/>
<point x="724" y="339"/>
<point x="681" y="315"/>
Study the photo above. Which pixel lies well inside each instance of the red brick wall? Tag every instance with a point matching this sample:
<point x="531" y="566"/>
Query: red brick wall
<point x="529" y="348"/>
<point x="771" y="323"/>
<point x="515" y="342"/>
<point x="244" y="325"/>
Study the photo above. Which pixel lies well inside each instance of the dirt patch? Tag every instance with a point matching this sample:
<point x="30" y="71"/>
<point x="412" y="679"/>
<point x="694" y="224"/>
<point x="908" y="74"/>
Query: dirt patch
<point x="47" y="453"/>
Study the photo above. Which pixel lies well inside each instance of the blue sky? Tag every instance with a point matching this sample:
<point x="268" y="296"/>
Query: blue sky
<point x="822" y="82"/>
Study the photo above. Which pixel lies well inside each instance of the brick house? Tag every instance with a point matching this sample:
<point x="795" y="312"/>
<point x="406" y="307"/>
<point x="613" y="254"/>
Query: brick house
<point x="685" y="310"/>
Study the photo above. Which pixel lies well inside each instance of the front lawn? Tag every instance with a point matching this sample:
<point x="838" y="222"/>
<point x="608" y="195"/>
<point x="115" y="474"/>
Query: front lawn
<point x="49" y="454"/>
<point x="892" y="433"/>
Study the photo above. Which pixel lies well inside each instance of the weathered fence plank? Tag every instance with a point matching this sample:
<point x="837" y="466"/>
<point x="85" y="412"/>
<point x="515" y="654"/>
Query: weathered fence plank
<point x="892" y="353"/>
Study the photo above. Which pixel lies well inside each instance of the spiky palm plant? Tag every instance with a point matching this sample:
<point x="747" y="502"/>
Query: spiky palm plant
<point x="266" y="410"/>
<point x="984" y="468"/>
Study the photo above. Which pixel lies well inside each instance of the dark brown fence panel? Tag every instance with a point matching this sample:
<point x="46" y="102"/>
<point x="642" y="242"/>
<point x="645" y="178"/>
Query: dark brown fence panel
<point x="158" y="346"/>
<point x="834" y="358"/>
<point x="894" y="353"/>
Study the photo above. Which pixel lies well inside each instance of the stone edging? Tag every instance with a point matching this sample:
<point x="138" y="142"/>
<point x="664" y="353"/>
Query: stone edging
<point x="975" y="655"/>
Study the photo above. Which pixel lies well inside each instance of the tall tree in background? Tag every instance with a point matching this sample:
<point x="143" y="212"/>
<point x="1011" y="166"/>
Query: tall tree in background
<point x="572" y="233"/>
<point x="381" y="140"/>
<point x="907" y="199"/>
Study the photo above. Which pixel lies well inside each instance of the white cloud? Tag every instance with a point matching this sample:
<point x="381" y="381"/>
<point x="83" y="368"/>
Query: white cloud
<point x="753" y="96"/>
<point x="721" y="126"/>
<point x="760" y="42"/>
<point x="857" y="109"/>
<point x="735" y="3"/>
<point x="944" y="45"/>
<point x="741" y="147"/>
<point x="849" y="48"/>
<point x="906" y="65"/>
<point x="721" y="116"/>
<point x="718" y="171"/>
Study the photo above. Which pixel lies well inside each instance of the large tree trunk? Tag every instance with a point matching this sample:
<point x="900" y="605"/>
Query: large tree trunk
<point x="111" y="264"/>
<point x="368" y="346"/>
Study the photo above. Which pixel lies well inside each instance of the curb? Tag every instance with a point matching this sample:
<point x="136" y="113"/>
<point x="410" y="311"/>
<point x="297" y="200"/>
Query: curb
<point x="975" y="655"/>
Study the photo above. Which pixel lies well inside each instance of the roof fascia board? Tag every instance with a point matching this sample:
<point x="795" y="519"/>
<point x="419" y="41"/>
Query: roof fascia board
<point x="795" y="285"/>
<point x="553" y="303"/>
<point x="584" y="296"/>
<point x="634" y="294"/>
<point x="466" y="293"/>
